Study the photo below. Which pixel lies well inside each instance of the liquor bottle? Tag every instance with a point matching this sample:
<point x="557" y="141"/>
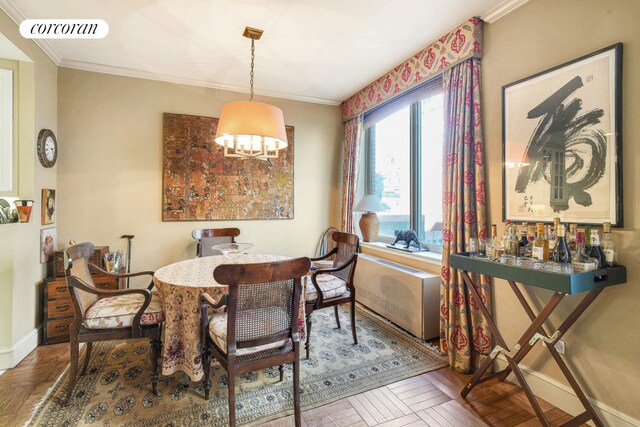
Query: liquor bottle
<point x="510" y="240"/>
<point x="587" y="239"/>
<point x="581" y="262"/>
<point x="607" y="245"/>
<point x="552" y="234"/>
<point x="561" y="253"/>
<point x="491" y="243"/>
<point x="596" y="251"/>
<point x="531" y="236"/>
<point x="523" y="236"/>
<point x="571" y="238"/>
<point x="540" y="250"/>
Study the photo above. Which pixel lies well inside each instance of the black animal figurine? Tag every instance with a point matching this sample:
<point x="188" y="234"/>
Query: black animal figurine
<point x="409" y="236"/>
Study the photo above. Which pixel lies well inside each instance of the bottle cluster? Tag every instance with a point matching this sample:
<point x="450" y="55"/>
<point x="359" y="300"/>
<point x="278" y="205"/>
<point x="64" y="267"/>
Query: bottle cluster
<point x="553" y="247"/>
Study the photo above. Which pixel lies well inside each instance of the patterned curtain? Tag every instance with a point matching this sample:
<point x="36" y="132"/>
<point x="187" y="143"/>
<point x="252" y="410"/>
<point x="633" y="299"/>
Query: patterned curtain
<point x="464" y="334"/>
<point x="352" y="138"/>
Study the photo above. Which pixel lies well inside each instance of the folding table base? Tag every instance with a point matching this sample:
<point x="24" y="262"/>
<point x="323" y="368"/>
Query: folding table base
<point x="534" y="333"/>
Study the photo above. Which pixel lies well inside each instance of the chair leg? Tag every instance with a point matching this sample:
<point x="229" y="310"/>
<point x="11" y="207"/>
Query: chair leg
<point x="335" y="310"/>
<point x="232" y="398"/>
<point x="281" y="368"/>
<point x="308" y="341"/>
<point x="155" y="351"/>
<point x="74" y="346"/>
<point x="296" y="391"/>
<point x="87" y="356"/>
<point x="353" y="321"/>
<point x="206" y="365"/>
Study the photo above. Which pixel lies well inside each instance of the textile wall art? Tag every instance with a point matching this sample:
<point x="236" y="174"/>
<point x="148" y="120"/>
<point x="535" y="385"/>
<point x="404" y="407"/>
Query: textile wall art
<point x="200" y="184"/>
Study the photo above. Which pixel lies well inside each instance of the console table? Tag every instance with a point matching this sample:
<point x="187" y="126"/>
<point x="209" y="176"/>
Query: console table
<point x="592" y="283"/>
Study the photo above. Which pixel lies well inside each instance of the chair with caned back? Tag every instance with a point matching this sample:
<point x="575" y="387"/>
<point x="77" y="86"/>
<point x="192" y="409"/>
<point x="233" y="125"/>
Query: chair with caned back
<point x="259" y="328"/>
<point x="333" y="286"/>
<point x="101" y="315"/>
<point x="209" y="237"/>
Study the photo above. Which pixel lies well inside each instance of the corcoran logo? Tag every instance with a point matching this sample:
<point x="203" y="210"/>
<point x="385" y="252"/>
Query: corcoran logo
<point x="64" y="29"/>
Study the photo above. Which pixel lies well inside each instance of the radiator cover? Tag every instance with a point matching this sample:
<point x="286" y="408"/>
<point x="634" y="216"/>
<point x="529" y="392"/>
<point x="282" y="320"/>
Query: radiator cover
<point x="408" y="297"/>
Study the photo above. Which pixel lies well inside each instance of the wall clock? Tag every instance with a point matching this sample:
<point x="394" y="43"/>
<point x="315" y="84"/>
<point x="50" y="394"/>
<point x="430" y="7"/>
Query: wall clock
<point x="47" y="148"/>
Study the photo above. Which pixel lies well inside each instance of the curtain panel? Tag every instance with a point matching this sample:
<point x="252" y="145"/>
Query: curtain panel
<point x="464" y="334"/>
<point x="460" y="44"/>
<point x="352" y="141"/>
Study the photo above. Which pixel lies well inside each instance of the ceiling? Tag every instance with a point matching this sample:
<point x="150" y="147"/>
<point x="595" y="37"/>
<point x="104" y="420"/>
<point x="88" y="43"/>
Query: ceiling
<point x="314" y="50"/>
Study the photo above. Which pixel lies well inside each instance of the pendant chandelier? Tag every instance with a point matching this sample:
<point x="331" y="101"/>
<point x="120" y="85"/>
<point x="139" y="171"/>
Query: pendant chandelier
<point x="251" y="129"/>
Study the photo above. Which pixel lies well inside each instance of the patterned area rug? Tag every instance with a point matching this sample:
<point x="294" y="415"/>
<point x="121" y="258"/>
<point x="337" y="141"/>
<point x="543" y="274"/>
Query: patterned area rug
<point x="116" y="390"/>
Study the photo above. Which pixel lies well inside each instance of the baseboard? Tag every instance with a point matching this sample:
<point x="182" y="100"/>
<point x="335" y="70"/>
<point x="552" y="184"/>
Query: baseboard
<point x="563" y="397"/>
<point x="11" y="356"/>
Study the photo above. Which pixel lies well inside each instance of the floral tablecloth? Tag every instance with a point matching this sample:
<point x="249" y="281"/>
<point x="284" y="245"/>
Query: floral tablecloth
<point x="179" y="286"/>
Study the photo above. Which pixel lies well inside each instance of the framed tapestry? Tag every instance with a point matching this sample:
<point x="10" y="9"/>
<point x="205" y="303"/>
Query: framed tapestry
<point x="562" y="142"/>
<point x="200" y="184"/>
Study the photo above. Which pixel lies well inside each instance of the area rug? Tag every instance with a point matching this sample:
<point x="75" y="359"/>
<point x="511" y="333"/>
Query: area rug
<point x="116" y="389"/>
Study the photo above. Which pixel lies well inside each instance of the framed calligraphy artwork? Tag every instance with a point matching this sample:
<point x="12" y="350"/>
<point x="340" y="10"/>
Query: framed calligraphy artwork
<point x="562" y="142"/>
<point x="201" y="184"/>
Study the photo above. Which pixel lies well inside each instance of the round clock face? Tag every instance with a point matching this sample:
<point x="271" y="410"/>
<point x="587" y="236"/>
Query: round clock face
<point x="47" y="148"/>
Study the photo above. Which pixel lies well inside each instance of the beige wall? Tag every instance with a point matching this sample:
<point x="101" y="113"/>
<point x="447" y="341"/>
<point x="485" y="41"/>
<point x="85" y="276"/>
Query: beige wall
<point x="20" y="269"/>
<point x="110" y="175"/>
<point x="604" y="345"/>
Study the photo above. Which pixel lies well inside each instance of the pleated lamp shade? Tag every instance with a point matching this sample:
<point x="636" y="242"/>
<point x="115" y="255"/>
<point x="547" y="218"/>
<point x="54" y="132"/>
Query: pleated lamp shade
<point x="251" y="129"/>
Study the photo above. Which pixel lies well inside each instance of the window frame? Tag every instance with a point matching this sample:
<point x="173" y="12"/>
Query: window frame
<point x="9" y="144"/>
<point x="415" y="176"/>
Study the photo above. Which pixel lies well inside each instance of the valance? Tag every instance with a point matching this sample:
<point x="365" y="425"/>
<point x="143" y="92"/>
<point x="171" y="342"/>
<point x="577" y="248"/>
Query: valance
<point x="465" y="41"/>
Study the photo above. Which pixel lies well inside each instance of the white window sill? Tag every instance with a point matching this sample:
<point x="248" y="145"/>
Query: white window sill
<point x="428" y="257"/>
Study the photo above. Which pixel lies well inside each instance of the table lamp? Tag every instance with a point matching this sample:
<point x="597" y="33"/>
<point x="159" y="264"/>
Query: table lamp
<point x="369" y="222"/>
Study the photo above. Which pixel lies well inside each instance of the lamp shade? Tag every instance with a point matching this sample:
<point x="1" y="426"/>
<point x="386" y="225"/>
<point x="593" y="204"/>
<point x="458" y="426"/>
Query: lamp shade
<point x="369" y="203"/>
<point x="251" y="129"/>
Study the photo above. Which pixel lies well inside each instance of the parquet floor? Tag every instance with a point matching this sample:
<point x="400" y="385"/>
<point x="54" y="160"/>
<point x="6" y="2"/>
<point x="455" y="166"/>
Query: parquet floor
<point x="431" y="399"/>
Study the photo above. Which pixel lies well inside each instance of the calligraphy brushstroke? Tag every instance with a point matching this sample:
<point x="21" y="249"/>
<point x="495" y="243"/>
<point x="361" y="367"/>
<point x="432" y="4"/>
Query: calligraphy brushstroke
<point x="565" y="149"/>
<point x="199" y="183"/>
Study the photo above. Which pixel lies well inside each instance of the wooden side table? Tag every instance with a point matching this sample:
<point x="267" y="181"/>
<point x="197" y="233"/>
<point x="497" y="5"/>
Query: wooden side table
<point x="592" y="283"/>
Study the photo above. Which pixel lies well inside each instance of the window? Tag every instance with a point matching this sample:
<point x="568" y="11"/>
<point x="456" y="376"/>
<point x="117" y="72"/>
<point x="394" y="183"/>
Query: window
<point x="8" y="148"/>
<point x="403" y="163"/>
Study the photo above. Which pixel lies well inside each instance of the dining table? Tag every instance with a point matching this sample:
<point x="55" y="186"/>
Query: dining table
<point x="179" y="286"/>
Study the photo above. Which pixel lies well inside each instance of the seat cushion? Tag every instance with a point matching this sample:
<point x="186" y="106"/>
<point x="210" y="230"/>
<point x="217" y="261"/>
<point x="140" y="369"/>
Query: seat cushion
<point x="330" y="285"/>
<point x="119" y="311"/>
<point x="218" y="329"/>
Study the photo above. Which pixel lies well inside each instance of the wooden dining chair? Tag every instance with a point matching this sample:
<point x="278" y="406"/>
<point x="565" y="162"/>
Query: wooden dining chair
<point x="208" y="237"/>
<point x="333" y="286"/>
<point x="101" y="315"/>
<point x="260" y="326"/>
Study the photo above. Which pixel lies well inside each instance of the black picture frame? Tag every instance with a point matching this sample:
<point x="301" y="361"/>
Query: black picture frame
<point x="562" y="142"/>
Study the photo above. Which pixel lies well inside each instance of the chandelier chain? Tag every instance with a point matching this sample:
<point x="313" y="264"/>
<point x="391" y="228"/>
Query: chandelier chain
<point x="253" y="56"/>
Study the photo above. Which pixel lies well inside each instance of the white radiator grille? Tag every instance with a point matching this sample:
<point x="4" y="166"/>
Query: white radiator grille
<point x="404" y="295"/>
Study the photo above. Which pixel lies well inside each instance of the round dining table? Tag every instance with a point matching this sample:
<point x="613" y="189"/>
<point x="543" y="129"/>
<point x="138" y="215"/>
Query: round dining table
<point x="179" y="286"/>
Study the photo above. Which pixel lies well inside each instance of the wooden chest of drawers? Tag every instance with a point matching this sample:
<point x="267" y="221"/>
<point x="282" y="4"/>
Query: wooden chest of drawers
<point x="58" y="308"/>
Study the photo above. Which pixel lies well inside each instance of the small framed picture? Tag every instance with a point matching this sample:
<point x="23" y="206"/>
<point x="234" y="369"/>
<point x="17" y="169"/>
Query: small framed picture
<point x="47" y="243"/>
<point x="48" y="206"/>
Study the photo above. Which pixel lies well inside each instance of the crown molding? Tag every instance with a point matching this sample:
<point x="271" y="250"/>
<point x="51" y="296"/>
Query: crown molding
<point x="140" y="74"/>
<point x="16" y="16"/>
<point x="501" y="10"/>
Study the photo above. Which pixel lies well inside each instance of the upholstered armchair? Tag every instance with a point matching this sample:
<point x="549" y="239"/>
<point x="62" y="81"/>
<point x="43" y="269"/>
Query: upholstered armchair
<point x="259" y="327"/>
<point x="208" y="237"/>
<point x="101" y="315"/>
<point x="333" y="286"/>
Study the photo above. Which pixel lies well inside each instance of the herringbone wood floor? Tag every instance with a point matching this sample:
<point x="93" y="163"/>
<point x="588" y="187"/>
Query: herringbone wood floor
<point x="431" y="399"/>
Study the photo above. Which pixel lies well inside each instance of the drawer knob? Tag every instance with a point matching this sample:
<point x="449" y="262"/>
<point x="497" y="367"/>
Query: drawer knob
<point x="62" y="307"/>
<point x="61" y="289"/>
<point x="102" y="285"/>
<point x="61" y="327"/>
